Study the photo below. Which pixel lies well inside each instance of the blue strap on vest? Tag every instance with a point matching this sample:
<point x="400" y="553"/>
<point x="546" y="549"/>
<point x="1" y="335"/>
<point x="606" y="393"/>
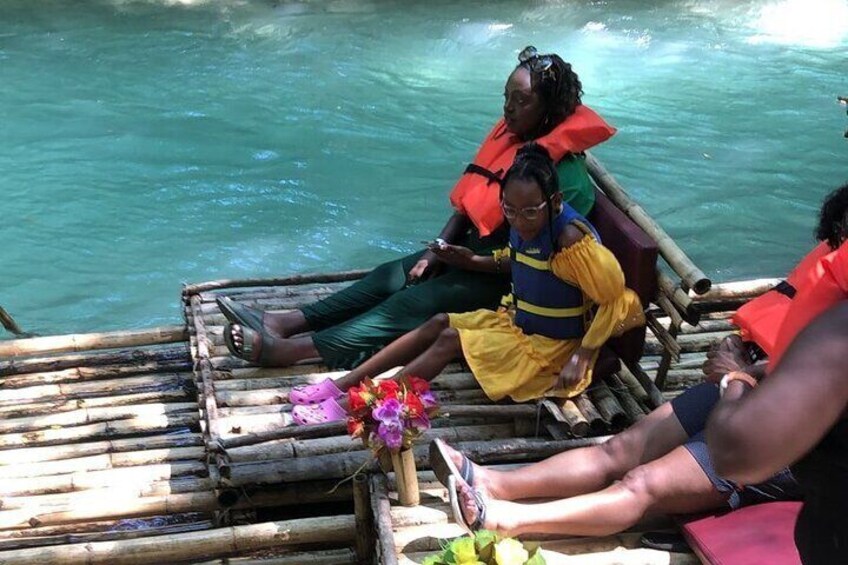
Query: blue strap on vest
<point x="545" y="304"/>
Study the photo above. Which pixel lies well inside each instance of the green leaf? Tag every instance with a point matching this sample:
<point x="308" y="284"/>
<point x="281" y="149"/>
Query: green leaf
<point x="536" y="558"/>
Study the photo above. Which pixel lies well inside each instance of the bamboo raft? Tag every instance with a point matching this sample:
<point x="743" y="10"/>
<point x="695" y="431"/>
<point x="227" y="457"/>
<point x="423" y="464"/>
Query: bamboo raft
<point x="157" y="446"/>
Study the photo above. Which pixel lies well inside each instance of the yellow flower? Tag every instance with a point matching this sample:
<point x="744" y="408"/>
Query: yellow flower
<point x="510" y="552"/>
<point x="463" y="551"/>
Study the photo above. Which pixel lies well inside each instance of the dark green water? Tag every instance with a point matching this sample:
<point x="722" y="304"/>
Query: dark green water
<point x="144" y="144"/>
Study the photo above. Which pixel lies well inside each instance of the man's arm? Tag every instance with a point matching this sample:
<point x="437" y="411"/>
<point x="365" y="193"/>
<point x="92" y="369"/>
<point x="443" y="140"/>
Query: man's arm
<point x="752" y="435"/>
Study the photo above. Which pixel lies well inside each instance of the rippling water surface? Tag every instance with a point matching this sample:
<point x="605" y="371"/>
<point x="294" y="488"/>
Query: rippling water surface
<point x="144" y="144"/>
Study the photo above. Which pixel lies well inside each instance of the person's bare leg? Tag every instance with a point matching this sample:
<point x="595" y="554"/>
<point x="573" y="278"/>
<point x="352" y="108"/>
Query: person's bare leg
<point x="399" y="352"/>
<point x="280" y="352"/>
<point x="673" y="484"/>
<point x="587" y="469"/>
<point x="285" y="324"/>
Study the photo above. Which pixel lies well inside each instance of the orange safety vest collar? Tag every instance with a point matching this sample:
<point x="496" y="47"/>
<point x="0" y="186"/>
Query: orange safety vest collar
<point x="760" y="319"/>
<point x="477" y="194"/>
<point x="827" y="286"/>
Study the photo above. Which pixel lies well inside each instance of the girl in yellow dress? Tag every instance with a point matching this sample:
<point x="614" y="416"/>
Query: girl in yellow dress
<point x="568" y="297"/>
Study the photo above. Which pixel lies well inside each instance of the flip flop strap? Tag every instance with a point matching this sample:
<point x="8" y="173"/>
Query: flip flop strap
<point x="481" y="511"/>
<point x="467" y="471"/>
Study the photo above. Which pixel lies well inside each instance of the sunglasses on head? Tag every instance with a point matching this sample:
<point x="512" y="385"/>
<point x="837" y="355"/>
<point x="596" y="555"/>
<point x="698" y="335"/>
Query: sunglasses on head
<point x="537" y="63"/>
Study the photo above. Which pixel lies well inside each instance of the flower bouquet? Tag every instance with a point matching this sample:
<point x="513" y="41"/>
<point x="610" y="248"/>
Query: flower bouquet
<point x="389" y="416"/>
<point x="486" y="548"/>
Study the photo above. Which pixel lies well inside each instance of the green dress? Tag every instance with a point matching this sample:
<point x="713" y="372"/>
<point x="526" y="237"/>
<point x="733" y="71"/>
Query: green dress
<point x="356" y="322"/>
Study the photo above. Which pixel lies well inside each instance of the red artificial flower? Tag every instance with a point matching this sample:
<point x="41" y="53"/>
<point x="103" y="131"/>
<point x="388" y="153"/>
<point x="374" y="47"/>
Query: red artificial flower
<point x="388" y="389"/>
<point x="414" y="407"/>
<point x="418" y="384"/>
<point x="355" y="399"/>
<point x="355" y="427"/>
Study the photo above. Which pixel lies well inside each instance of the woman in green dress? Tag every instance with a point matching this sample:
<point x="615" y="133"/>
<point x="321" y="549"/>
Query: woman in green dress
<point x="542" y="102"/>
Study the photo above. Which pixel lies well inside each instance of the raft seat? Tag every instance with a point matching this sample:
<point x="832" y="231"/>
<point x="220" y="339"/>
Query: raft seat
<point x="637" y="253"/>
<point x="763" y="533"/>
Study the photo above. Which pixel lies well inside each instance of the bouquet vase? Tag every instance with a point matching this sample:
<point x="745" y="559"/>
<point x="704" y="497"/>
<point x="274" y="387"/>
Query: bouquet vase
<point x="406" y="477"/>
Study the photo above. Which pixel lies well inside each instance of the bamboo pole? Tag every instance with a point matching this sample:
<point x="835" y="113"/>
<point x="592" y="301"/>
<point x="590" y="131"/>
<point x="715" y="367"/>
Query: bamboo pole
<point x="381" y="510"/>
<point x="628" y="403"/>
<point x="95" y="373"/>
<point x="322" y="557"/>
<point x="568" y="416"/>
<point x="103" y="461"/>
<point x="107" y="509"/>
<point x="24" y="409"/>
<point x="87" y="415"/>
<point x="14" y="366"/>
<point x="596" y="422"/>
<point x="74" y="450"/>
<point x="639" y="380"/>
<point x="86" y="342"/>
<point x="10" y="324"/>
<point x="341" y="465"/>
<point x="280" y="449"/>
<point x="191" y="546"/>
<point x="738" y="290"/>
<point x="101" y="430"/>
<point x="674" y="256"/>
<point x="677" y="297"/>
<point x="139" y="476"/>
<point x="296" y="494"/>
<point x="115" y="492"/>
<point x="83" y="536"/>
<point x="70" y="391"/>
<point x="365" y="539"/>
<point x="607" y="405"/>
<point x="666" y="340"/>
<point x="192" y="289"/>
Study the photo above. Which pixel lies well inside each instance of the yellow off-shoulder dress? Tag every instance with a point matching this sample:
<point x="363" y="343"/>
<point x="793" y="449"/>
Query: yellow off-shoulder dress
<point x="506" y="362"/>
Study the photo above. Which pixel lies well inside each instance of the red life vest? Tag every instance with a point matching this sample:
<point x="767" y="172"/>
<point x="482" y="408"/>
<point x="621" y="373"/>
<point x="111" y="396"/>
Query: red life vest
<point x="827" y="285"/>
<point x="761" y="318"/>
<point x="477" y="193"/>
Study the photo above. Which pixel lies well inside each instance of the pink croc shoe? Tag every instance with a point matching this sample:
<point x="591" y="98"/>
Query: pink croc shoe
<point x="328" y="411"/>
<point x="313" y="394"/>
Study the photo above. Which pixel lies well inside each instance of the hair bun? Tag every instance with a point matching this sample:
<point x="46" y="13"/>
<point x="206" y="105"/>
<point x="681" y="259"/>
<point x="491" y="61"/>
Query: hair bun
<point x="532" y="151"/>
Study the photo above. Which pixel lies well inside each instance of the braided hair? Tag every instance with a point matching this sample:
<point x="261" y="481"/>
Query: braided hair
<point x="534" y="163"/>
<point x="558" y="87"/>
<point x="833" y="219"/>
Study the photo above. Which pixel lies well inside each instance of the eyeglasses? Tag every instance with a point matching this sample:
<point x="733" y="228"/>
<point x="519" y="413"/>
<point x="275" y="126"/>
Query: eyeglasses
<point x="537" y="63"/>
<point x="530" y="213"/>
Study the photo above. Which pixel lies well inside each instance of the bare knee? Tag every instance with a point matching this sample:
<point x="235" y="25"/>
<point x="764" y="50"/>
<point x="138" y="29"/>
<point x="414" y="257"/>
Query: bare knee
<point x="448" y="341"/>
<point x="439" y="322"/>
<point x="621" y="454"/>
<point x="642" y="483"/>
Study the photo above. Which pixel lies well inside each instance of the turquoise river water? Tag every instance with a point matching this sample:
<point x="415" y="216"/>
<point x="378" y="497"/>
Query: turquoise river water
<point x="144" y="144"/>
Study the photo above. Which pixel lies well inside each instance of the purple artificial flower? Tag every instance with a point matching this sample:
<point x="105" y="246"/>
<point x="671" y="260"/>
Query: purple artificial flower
<point x="388" y="411"/>
<point x="391" y="433"/>
<point x="427" y="399"/>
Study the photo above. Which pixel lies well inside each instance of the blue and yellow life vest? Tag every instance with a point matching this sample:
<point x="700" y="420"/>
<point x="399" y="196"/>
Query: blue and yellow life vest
<point x="544" y="303"/>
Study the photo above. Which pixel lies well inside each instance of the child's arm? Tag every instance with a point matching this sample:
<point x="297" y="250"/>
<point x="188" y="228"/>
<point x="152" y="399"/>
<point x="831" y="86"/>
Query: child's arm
<point x="584" y="262"/>
<point x="464" y="258"/>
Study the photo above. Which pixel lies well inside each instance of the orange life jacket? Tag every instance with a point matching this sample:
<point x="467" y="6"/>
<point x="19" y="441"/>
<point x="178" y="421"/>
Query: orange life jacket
<point x="827" y="284"/>
<point x="760" y="319"/>
<point x="477" y="194"/>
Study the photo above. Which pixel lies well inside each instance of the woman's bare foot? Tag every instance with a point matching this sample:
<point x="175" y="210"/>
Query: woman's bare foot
<point x="496" y="512"/>
<point x="482" y="477"/>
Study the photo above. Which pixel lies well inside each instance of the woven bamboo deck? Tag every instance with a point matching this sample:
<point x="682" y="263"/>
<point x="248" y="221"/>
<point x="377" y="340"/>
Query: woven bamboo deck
<point x="107" y="441"/>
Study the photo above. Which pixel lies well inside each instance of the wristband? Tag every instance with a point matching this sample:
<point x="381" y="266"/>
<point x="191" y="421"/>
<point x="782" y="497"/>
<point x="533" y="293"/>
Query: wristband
<point x="735" y="376"/>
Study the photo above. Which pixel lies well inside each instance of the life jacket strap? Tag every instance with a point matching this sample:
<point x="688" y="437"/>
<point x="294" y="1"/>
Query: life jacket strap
<point x="786" y="289"/>
<point x="484" y="172"/>
<point x="553" y="312"/>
